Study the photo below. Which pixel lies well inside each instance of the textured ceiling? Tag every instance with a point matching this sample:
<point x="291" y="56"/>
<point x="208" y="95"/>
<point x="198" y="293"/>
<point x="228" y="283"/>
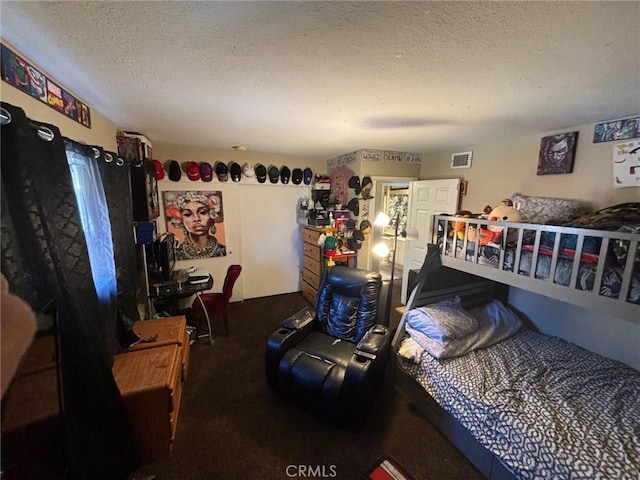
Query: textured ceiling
<point x="323" y="78"/>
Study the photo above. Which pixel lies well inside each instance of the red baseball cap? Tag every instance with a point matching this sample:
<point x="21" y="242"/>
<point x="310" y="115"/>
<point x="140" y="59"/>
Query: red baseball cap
<point x="159" y="170"/>
<point x="193" y="171"/>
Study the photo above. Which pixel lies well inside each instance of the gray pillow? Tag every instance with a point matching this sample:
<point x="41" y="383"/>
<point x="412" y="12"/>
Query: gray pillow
<point x="443" y="321"/>
<point x="496" y="322"/>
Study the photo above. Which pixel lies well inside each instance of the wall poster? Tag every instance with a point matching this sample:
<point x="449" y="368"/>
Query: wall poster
<point x="616" y="130"/>
<point x="21" y="74"/>
<point x="196" y="218"/>
<point x="557" y="153"/>
<point x="626" y="164"/>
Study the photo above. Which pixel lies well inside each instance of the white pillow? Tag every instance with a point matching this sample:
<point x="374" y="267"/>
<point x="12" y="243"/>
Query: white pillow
<point x="410" y="349"/>
<point x="443" y="321"/>
<point x="496" y="322"/>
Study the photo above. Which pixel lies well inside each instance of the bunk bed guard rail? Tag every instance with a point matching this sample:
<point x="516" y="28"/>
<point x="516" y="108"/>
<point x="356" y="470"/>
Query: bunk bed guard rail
<point x="595" y="269"/>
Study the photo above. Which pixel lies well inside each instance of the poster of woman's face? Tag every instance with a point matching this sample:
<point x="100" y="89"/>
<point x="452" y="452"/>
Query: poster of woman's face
<point x="196" y="218"/>
<point x="557" y="153"/>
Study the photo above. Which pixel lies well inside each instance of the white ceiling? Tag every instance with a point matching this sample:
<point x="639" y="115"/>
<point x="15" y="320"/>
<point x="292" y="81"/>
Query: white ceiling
<point x="320" y="79"/>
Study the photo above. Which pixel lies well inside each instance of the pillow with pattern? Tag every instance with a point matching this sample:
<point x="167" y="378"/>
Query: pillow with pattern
<point x="548" y="210"/>
<point x="443" y="321"/>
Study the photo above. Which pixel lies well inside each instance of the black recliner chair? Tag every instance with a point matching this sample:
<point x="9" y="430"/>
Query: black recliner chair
<point x="332" y="359"/>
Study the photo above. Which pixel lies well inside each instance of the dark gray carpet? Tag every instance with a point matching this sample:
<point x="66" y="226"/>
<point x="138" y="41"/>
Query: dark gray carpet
<point x="231" y="426"/>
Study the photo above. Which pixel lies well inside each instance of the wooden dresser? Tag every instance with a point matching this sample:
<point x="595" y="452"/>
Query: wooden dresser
<point x="150" y="376"/>
<point x="312" y="262"/>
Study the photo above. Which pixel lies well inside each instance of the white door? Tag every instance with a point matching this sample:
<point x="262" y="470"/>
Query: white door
<point x="271" y="243"/>
<point x="426" y="198"/>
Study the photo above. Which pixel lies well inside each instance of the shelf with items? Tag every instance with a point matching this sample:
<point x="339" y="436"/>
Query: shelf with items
<point x="316" y="258"/>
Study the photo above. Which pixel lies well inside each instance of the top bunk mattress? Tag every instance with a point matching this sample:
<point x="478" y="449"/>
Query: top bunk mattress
<point x="546" y="407"/>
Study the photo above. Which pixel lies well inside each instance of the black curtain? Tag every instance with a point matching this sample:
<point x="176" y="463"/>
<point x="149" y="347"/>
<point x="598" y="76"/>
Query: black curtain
<point x="44" y="258"/>
<point x="116" y="182"/>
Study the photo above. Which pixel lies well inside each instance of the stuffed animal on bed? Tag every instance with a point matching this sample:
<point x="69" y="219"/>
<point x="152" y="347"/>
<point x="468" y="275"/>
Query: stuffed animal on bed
<point x="505" y="212"/>
<point x="457" y="228"/>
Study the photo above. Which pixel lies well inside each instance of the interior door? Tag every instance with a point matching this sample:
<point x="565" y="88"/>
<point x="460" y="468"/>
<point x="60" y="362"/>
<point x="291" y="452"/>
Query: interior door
<point x="426" y="198"/>
<point x="271" y="243"/>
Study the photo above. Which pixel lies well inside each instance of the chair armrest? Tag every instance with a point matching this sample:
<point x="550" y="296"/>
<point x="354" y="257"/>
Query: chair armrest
<point x="375" y="340"/>
<point x="293" y="330"/>
<point x="368" y="362"/>
<point x="300" y="319"/>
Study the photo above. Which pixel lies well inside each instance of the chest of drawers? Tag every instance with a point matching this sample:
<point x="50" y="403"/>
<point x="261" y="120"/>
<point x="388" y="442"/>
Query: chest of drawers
<point x="150" y="377"/>
<point x="312" y="262"/>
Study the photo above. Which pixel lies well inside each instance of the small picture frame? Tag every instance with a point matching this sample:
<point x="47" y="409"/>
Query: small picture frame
<point x="557" y="153"/>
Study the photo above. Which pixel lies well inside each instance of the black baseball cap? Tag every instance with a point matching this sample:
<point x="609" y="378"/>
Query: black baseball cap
<point x="296" y="176"/>
<point x="274" y="174"/>
<point x="222" y="172"/>
<point x="285" y="174"/>
<point x="174" y="171"/>
<point x="261" y="173"/>
<point x="236" y="171"/>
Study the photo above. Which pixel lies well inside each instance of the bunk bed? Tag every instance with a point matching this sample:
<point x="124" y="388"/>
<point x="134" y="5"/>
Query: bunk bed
<point x="520" y="404"/>
<point x="592" y="260"/>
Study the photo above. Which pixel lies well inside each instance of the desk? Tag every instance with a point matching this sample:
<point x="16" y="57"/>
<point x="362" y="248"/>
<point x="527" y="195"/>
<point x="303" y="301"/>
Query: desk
<point x="173" y="290"/>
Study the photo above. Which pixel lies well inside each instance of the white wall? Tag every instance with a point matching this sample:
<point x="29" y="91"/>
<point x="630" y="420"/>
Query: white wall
<point x="262" y="233"/>
<point x="508" y="165"/>
<point x="609" y="336"/>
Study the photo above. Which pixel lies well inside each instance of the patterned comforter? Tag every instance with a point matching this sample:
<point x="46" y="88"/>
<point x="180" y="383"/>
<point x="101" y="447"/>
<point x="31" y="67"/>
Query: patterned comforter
<point x="547" y="408"/>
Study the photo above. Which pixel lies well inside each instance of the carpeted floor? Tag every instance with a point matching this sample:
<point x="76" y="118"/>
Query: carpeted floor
<point x="231" y="426"/>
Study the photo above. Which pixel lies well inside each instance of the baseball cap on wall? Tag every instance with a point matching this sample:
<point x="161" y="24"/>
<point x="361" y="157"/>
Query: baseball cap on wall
<point x="367" y="185"/>
<point x="285" y="175"/>
<point x="296" y="176"/>
<point x="159" y="169"/>
<point x="308" y="175"/>
<point x="354" y="206"/>
<point x="248" y="171"/>
<point x="222" y="172"/>
<point x="174" y="171"/>
<point x="193" y="172"/>
<point x="354" y="182"/>
<point x="206" y="172"/>
<point x="261" y="173"/>
<point x="274" y="174"/>
<point x="235" y="171"/>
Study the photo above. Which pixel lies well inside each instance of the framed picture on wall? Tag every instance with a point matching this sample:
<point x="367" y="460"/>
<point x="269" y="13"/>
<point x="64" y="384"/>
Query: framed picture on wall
<point x="616" y="130"/>
<point x="396" y="205"/>
<point x="557" y="153"/>
<point x="196" y="219"/>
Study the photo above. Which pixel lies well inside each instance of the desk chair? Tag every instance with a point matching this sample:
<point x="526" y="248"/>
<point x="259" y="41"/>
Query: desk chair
<point x="218" y="303"/>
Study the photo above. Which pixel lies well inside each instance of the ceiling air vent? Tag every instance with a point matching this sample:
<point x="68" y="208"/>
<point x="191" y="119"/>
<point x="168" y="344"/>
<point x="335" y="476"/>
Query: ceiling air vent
<point x="461" y="160"/>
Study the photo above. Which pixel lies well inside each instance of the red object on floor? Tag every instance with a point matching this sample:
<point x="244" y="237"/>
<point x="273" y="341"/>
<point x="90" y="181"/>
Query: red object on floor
<point x="218" y="303"/>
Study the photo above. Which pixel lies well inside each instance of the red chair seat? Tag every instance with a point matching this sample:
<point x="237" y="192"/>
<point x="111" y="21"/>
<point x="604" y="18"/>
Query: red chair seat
<point x="218" y="303"/>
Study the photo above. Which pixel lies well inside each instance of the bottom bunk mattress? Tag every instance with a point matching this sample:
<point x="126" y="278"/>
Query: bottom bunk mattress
<point x="547" y="408"/>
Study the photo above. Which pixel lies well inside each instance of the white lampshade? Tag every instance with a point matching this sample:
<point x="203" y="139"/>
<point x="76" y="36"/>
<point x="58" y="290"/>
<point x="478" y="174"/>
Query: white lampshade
<point x="381" y="250"/>
<point x="382" y="220"/>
